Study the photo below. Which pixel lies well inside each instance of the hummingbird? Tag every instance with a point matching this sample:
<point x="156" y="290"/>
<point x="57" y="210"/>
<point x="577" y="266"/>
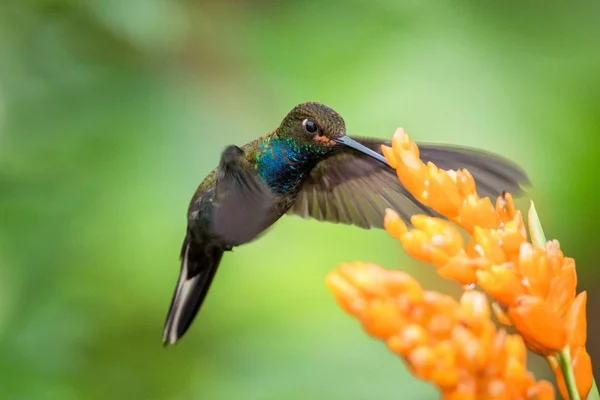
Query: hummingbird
<point x="307" y="167"/>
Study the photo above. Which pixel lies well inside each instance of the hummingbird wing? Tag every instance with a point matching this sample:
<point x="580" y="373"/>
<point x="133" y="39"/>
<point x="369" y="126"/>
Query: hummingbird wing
<point x="349" y="187"/>
<point x="244" y="205"/>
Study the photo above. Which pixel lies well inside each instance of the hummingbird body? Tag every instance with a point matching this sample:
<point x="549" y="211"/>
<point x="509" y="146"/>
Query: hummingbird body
<point x="307" y="167"/>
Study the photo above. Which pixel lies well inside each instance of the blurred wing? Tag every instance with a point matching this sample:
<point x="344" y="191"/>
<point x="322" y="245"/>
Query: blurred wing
<point x="349" y="187"/>
<point x="243" y="205"/>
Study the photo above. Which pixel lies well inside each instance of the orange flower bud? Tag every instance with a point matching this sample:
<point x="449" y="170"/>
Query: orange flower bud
<point x="477" y="212"/>
<point x="542" y="390"/>
<point x="442" y="235"/>
<point x="443" y="194"/>
<point x="533" y="267"/>
<point x="411" y="172"/>
<point x="487" y="247"/>
<point x="541" y="328"/>
<point x="465" y="183"/>
<point x="563" y="287"/>
<point x="409" y="337"/>
<point x="393" y="224"/>
<point x="501" y="282"/>
<point x="459" y="268"/>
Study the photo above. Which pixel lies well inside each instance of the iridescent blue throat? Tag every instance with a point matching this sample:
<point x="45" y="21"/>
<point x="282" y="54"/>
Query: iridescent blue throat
<point x="282" y="163"/>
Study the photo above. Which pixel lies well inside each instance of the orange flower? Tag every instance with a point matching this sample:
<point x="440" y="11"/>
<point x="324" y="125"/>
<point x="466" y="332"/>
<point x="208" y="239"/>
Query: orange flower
<point x="535" y="287"/>
<point x="454" y="345"/>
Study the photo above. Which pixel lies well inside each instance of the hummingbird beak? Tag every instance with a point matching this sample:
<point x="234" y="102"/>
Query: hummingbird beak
<point x="347" y="141"/>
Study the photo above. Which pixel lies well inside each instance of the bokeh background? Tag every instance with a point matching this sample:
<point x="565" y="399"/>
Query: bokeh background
<point x="112" y="111"/>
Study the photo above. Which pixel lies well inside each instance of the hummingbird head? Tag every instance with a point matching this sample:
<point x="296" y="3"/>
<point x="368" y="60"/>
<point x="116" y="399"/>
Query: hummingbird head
<point x="322" y="129"/>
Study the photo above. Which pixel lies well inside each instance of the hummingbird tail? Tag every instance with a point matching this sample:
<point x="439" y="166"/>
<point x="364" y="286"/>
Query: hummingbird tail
<point x="199" y="263"/>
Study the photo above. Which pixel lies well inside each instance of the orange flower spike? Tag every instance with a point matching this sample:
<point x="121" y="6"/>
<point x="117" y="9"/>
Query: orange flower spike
<point x="576" y="321"/>
<point x="541" y="328"/>
<point x="393" y="224"/>
<point x="501" y="282"/>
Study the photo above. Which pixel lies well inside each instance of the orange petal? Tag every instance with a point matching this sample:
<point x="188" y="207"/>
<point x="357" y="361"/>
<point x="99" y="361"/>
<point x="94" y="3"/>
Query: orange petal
<point x="465" y="183"/>
<point x="505" y="207"/>
<point x="442" y="234"/>
<point x="515" y="348"/>
<point x="411" y="172"/>
<point x="407" y="339"/>
<point x="542" y="390"/>
<point x="348" y="297"/>
<point x="576" y="321"/>
<point x="513" y="235"/>
<point x="381" y="318"/>
<point x="400" y="140"/>
<point x="563" y="288"/>
<point x="443" y="194"/>
<point x="366" y="277"/>
<point x="393" y="224"/>
<point x="388" y="153"/>
<point x="515" y="374"/>
<point x="582" y="369"/>
<point x="487" y="247"/>
<point x="554" y="255"/>
<point x="542" y="329"/>
<point x="474" y="306"/>
<point x="501" y="283"/>
<point x="445" y="373"/>
<point x="416" y="244"/>
<point x="421" y="361"/>
<point x="533" y="269"/>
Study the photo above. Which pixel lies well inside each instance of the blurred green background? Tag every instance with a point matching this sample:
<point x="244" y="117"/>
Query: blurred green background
<point x="112" y="111"/>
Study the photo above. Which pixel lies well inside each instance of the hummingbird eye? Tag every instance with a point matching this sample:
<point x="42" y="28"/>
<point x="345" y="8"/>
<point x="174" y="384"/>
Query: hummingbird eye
<point x="310" y="126"/>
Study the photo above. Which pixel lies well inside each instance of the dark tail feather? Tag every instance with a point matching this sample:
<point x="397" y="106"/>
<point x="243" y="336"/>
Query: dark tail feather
<point x="492" y="173"/>
<point x="199" y="264"/>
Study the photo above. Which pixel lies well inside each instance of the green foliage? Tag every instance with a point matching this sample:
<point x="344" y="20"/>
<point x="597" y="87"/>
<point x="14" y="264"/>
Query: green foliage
<point x="111" y="112"/>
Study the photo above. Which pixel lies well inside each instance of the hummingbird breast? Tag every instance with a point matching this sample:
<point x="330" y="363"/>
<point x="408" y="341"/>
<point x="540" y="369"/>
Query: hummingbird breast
<point x="282" y="163"/>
